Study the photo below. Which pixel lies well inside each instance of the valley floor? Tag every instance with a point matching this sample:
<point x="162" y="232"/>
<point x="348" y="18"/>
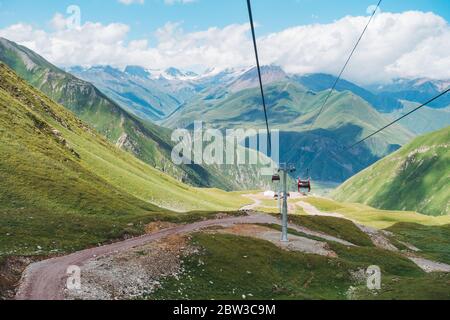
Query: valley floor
<point x="242" y="258"/>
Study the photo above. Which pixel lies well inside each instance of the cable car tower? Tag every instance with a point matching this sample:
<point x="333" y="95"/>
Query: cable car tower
<point x="282" y="176"/>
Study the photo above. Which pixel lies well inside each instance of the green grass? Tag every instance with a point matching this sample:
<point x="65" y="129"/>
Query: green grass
<point x="433" y="241"/>
<point x="229" y="267"/>
<point x="337" y="227"/>
<point x="340" y="228"/>
<point x="427" y="120"/>
<point x="415" y="178"/>
<point x="63" y="186"/>
<point x="145" y="140"/>
<point x="377" y="218"/>
<point x="222" y="272"/>
<point x="433" y="286"/>
<point x="390" y="263"/>
<point x="430" y="234"/>
<point x="324" y="204"/>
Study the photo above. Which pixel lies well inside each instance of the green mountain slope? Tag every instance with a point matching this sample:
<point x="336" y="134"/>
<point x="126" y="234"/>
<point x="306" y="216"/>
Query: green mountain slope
<point x="417" y="177"/>
<point x="291" y="109"/>
<point x="320" y="82"/>
<point x="424" y="121"/>
<point x="145" y="140"/>
<point x="139" y="95"/>
<point x="63" y="186"/>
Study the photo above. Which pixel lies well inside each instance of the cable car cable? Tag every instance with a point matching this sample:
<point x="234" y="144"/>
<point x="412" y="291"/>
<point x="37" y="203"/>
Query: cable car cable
<point x="345" y="66"/>
<point x="397" y="120"/>
<point x="269" y="137"/>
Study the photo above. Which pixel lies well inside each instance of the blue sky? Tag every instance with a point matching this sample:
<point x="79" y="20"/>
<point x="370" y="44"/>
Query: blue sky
<point x="272" y="15"/>
<point x="409" y="38"/>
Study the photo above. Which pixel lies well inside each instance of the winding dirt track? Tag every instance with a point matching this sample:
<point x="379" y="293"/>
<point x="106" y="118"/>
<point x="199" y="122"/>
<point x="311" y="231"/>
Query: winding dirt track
<point x="46" y="280"/>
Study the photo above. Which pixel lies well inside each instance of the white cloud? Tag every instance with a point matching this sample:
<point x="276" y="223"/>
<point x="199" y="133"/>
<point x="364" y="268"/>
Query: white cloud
<point x="128" y="2"/>
<point x="171" y="2"/>
<point x="409" y="44"/>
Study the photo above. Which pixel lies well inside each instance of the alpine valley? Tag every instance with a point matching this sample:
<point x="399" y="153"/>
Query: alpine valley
<point x="87" y="179"/>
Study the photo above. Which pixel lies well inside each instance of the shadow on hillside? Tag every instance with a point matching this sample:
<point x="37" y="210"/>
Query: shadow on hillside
<point x="326" y="154"/>
<point x="409" y="188"/>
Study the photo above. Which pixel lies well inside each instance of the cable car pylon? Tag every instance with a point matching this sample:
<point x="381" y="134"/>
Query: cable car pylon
<point x="282" y="176"/>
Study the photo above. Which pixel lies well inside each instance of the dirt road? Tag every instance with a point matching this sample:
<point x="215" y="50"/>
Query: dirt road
<point x="381" y="240"/>
<point x="46" y="280"/>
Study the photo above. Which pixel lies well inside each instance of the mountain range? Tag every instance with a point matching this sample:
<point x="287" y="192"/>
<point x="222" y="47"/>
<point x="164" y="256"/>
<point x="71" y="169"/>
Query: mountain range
<point x="230" y="99"/>
<point x="416" y="90"/>
<point x="183" y="85"/>
<point x="291" y="109"/>
<point x="142" y="106"/>
<point x="142" y="138"/>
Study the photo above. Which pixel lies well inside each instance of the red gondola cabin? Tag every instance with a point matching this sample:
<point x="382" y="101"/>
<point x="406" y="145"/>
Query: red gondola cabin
<point x="304" y="185"/>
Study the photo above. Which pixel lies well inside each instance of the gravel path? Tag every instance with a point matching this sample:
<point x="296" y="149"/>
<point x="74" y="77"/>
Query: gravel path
<point x="296" y="243"/>
<point x="430" y="266"/>
<point x="381" y="240"/>
<point x="378" y="237"/>
<point x="46" y="280"/>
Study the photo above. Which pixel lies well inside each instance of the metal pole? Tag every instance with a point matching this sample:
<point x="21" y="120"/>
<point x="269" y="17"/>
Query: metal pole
<point x="279" y="199"/>
<point x="284" y="236"/>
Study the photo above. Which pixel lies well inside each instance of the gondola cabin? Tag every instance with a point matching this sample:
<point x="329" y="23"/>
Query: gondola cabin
<point x="304" y="186"/>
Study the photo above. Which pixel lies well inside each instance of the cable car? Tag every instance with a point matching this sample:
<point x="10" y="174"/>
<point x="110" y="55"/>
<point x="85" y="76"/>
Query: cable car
<point x="304" y="186"/>
<point x="276" y="177"/>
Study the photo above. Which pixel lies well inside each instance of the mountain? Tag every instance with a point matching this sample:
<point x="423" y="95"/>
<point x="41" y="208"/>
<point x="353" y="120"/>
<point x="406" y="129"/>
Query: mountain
<point x="133" y="89"/>
<point x="319" y="82"/>
<point x="174" y="73"/>
<point x="416" y="90"/>
<point x="416" y="177"/>
<point x="156" y="94"/>
<point x="249" y="79"/>
<point x="145" y="140"/>
<point x="320" y="153"/>
<point x="149" y="94"/>
<point x="423" y="121"/>
<point x="135" y="71"/>
<point x="184" y="87"/>
<point x="291" y="108"/>
<point x="64" y="187"/>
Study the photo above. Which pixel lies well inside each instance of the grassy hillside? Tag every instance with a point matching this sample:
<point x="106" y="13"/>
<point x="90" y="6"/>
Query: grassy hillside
<point x="414" y="178"/>
<point x="139" y="95"/>
<point x="319" y="82"/>
<point x="424" y="121"/>
<point x="245" y="268"/>
<point x="63" y="186"/>
<point x="233" y="267"/>
<point x="291" y="109"/>
<point x="145" y="140"/>
<point x="377" y="218"/>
